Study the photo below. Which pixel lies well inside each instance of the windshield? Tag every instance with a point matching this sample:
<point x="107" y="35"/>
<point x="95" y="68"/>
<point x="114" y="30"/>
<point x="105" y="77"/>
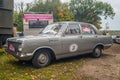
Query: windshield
<point x="52" y="28"/>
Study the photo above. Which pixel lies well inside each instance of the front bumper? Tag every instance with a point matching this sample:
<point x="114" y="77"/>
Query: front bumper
<point x="21" y="56"/>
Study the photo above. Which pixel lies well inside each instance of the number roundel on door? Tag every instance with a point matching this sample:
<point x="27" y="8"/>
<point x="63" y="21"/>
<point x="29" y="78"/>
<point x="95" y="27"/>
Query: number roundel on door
<point x="73" y="47"/>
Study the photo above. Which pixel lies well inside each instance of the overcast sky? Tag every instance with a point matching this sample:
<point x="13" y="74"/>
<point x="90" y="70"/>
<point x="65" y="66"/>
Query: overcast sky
<point x="113" y="24"/>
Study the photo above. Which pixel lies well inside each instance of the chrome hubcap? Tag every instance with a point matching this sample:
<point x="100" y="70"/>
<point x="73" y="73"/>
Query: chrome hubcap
<point x="97" y="52"/>
<point x="42" y="58"/>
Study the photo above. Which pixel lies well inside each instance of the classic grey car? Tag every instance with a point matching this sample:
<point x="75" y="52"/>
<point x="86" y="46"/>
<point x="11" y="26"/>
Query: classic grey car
<point x="59" y="40"/>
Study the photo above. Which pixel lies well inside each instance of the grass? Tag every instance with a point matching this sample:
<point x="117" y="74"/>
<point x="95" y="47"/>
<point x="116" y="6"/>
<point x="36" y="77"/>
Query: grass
<point x="65" y="69"/>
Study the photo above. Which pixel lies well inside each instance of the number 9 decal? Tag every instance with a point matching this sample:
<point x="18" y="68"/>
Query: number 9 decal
<point x="73" y="47"/>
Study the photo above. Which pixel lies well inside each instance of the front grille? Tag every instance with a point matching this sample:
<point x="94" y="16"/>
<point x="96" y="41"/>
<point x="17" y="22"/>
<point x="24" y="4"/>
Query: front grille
<point x="15" y="45"/>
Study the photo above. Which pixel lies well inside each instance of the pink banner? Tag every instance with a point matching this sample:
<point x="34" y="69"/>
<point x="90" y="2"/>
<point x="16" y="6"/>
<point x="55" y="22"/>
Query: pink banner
<point x="38" y="16"/>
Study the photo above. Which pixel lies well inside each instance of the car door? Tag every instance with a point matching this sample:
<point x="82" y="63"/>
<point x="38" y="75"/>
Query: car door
<point x="88" y="39"/>
<point x="70" y="39"/>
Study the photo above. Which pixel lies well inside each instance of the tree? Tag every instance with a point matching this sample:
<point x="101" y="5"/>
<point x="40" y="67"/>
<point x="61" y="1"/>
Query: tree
<point x="18" y="18"/>
<point x="46" y="6"/>
<point x="64" y="14"/>
<point x="18" y="15"/>
<point x="91" y="11"/>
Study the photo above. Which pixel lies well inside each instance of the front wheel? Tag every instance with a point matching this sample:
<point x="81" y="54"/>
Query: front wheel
<point x="97" y="52"/>
<point x="41" y="59"/>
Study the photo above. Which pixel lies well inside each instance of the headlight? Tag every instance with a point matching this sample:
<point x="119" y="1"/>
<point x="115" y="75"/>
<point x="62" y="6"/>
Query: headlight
<point x="20" y="48"/>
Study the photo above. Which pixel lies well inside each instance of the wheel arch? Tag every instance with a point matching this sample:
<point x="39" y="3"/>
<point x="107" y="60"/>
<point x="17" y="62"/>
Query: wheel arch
<point x="99" y="45"/>
<point x="52" y="53"/>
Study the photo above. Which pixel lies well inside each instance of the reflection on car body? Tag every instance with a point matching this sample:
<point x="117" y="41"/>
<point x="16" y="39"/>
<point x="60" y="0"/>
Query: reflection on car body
<point x="59" y="40"/>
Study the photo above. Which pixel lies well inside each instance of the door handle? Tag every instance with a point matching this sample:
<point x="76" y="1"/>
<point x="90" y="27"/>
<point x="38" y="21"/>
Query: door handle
<point x="54" y="40"/>
<point x="96" y="36"/>
<point x="81" y="36"/>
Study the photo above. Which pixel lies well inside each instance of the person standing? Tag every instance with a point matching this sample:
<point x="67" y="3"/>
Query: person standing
<point x="14" y="30"/>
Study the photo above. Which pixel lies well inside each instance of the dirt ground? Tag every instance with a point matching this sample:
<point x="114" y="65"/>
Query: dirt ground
<point x="105" y="68"/>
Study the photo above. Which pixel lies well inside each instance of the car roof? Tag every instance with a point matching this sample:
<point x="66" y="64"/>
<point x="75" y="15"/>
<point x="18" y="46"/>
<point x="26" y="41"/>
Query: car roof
<point x="72" y="22"/>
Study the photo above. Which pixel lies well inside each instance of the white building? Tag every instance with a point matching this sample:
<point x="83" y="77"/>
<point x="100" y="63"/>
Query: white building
<point x="33" y="23"/>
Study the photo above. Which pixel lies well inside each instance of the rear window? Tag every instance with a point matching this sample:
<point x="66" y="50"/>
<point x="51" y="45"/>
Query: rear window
<point x="87" y="29"/>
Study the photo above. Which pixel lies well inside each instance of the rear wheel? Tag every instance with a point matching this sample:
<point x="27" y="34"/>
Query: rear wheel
<point x="41" y="58"/>
<point x="97" y="52"/>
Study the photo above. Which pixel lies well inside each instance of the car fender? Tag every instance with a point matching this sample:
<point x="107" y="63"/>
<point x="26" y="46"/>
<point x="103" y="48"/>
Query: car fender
<point x="99" y="44"/>
<point x="44" y="47"/>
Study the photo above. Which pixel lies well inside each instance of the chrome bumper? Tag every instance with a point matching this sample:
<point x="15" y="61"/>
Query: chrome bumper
<point x="106" y="46"/>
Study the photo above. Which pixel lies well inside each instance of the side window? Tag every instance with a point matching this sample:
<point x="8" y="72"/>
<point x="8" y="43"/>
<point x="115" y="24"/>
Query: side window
<point x="87" y="29"/>
<point x="73" y="29"/>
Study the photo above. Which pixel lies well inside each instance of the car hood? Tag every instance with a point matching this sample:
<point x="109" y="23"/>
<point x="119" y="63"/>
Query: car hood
<point x="30" y="37"/>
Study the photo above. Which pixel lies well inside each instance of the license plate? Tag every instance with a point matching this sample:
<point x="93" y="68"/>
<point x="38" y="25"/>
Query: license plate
<point x="11" y="47"/>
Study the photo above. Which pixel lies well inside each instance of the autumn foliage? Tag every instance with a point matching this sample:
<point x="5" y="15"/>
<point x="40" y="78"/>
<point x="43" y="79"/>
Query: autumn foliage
<point x="64" y="14"/>
<point x="89" y="11"/>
